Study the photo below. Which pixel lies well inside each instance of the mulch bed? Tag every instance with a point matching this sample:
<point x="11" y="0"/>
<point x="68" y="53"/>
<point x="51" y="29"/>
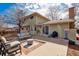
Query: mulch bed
<point x="73" y="50"/>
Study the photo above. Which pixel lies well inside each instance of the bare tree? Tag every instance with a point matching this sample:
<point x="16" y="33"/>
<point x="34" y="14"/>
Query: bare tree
<point x="20" y="21"/>
<point x="18" y="16"/>
<point x="15" y="13"/>
<point x="53" y="12"/>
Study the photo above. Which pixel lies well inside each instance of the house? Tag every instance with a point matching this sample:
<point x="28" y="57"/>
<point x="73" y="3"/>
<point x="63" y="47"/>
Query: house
<point x="33" y="23"/>
<point x="60" y="27"/>
<point x="64" y="27"/>
<point x="38" y="24"/>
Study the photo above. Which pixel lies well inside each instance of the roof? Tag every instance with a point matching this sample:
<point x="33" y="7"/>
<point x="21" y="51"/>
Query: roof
<point x="59" y="21"/>
<point x="35" y="14"/>
<point x="49" y="21"/>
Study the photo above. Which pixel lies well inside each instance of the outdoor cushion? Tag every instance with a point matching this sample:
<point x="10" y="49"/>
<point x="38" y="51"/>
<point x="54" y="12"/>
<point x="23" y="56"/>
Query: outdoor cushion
<point x="9" y="46"/>
<point x="12" y="44"/>
<point x="3" y="39"/>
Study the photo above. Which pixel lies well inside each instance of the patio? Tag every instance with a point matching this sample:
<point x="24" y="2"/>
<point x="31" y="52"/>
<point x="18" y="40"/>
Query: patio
<point x="45" y="48"/>
<point x="53" y="48"/>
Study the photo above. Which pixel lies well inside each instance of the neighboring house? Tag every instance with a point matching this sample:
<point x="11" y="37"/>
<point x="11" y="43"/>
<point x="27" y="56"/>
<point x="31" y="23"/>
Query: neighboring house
<point x="38" y="24"/>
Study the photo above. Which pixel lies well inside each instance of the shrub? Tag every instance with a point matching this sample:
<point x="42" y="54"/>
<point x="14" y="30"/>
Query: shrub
<point x="71" y="42"/>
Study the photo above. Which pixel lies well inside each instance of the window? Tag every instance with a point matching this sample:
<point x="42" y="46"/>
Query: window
<point x="46" y="30"/>
<point x="22" y="28"/>
<point x="31" y="17"/>
<point x="35" y="28"/>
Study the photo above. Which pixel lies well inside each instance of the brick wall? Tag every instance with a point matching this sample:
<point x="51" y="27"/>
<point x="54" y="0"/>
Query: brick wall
<point x="72" y="13"/>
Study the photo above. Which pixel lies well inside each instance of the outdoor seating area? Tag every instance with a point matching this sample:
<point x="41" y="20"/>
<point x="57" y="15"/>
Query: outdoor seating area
<point x="17" y="46"/>
<point x="26" y="46"/>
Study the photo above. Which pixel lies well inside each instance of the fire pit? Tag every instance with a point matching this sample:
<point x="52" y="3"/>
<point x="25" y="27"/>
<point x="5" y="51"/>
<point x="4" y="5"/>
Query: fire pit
<point x="30" y="41"/>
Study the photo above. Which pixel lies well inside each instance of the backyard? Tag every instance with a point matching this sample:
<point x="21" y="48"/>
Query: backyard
<point x="46" y="46"/>
<point x="33" y="33"/>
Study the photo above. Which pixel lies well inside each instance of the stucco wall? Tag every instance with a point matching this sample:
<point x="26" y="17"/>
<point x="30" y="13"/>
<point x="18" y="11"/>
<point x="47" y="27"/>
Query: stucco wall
<point x="40" y="20"/>
<point x="59" y="28"/>
<point x="30" y="21"/>
<point x="37" y="20"/>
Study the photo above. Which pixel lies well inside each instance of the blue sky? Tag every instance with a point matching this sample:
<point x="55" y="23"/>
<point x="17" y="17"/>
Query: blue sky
<point x="4" y="6"/>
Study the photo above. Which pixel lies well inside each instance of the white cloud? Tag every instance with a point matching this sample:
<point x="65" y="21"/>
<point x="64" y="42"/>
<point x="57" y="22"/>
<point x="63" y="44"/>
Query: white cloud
<point x="9" y="25"/>
<point x="63" y="15"/>
<point x="69" y="4"/>
<point x="44" y="8"/>
<point x="42" y="11"/>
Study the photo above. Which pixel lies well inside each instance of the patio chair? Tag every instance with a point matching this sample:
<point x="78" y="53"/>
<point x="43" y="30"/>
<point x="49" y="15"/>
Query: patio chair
<point x="23" y="36"/>
<point x="7" y="47"/>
